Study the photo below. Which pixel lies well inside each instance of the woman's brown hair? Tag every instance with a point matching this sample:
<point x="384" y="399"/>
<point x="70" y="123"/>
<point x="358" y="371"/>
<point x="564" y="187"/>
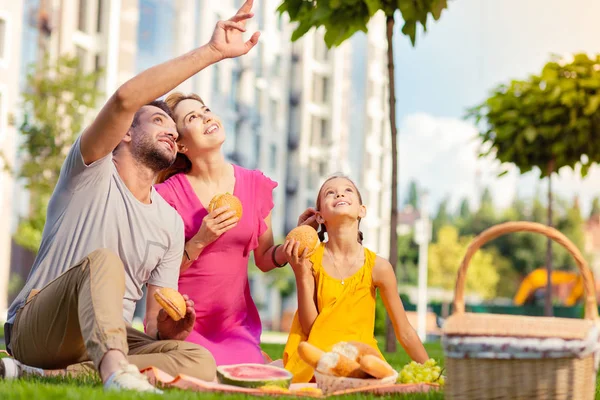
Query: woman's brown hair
<point x="182" y="163"/>
<point x="322" y="229"/>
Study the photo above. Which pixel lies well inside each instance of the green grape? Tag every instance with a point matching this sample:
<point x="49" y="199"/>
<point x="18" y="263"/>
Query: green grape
<point x="428" y="372"/>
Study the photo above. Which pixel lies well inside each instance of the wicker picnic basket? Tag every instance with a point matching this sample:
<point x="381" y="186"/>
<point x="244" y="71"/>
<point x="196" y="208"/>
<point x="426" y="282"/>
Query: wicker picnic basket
<point x="494" y="356"/>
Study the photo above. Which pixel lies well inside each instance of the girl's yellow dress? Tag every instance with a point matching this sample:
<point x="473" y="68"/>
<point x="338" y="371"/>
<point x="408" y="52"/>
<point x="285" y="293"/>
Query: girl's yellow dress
<point x="346" y="312"/>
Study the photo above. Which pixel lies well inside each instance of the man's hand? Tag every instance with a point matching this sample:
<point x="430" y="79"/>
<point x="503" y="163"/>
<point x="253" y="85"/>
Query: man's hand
<point x="227" y="40"/>
<point x="168" y="329"/>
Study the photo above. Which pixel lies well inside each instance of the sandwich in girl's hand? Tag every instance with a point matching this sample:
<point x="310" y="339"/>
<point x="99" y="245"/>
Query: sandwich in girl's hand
<point x="337" y="285"/>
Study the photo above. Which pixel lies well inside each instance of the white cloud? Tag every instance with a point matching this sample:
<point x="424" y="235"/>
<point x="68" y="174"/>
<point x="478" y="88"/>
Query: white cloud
<point x="441" y="154"/>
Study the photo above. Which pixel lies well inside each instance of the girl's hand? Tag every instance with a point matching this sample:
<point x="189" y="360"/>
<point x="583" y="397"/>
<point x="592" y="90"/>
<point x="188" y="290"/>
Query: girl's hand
<point x="300" y="262"/>
<point x="214" y="225"/>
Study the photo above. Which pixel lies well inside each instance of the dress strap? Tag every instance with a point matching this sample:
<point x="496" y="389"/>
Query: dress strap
<point x="370" y="258"/>
<point x="317" y="258"/>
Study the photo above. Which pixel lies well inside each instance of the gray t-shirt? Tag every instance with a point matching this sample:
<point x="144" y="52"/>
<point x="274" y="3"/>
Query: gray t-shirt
<point x="91" y="208"/>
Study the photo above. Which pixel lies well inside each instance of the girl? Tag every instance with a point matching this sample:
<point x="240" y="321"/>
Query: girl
<point x="337" y="283"/>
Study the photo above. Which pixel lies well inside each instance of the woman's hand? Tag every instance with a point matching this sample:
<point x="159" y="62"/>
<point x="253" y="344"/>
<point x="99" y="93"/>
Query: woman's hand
<point x="308" y="217"/>
<point x="301" y="264"/>
<point x="214" y="225"/>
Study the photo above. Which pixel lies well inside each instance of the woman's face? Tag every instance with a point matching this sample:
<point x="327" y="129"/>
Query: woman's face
<point x="199" y="129"/>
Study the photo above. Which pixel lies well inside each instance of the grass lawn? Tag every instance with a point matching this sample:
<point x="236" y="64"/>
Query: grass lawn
<point x="90" y="388"/>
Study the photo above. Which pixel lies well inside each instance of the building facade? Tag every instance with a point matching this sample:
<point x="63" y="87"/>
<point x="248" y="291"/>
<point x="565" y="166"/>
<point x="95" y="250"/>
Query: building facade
<point x="10" y="53"/>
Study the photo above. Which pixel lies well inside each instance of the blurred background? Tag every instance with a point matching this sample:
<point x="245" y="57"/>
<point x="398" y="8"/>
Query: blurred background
<point x="299" y="112"/>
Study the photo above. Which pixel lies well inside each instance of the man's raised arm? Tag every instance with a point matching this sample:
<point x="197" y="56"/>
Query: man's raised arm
<point x="115" y="118"/>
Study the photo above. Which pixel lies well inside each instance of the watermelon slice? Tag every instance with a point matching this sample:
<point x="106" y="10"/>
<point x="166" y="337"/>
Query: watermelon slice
<point x="254" y="375"/>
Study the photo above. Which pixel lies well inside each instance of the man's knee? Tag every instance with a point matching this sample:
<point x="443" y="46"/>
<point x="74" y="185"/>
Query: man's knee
<point x="110" y="264"/>
<point x="196" y="361"/>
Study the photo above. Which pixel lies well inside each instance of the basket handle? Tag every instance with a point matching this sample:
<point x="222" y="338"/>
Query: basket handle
<point x="591" y="308"/>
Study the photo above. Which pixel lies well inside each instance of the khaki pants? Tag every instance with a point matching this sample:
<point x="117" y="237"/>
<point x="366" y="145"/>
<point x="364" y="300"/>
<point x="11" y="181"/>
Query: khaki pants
<point x="78" y="317"/>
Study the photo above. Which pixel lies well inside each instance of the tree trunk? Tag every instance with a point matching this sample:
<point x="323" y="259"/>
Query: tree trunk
<point x="548" y="310"/>
<point x="390" y="342"/>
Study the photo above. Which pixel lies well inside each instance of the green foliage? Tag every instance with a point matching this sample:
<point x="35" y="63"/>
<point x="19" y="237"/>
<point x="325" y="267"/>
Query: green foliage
<point x="15" y="284"/>
<point x="408" y="257"/>
<point x="595" y="211"/>
<point x="442" y="217"/>
<point x="413" y="195"/>
<point x="57" y="103"/>
<point x="551" y="119"/>
<point x="445" y="257"/>
<point x="343" y="18"/>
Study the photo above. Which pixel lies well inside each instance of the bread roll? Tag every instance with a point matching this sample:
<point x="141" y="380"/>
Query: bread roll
<point x="355" y="350"/>
<point x="221" y="200"/>
<point x="310" y="354"/>
<point x="335" y="364"/>
<point x="172" y="301"/>
<point x="376" y="367"/>
<point x="307" y="236"/>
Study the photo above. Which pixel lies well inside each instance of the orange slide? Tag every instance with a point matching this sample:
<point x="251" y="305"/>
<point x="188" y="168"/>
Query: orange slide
<point x="537" y="279"/>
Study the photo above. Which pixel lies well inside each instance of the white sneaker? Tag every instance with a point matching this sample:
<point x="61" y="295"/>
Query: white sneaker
<point x="12" y="369"/>
<point x="129" y="378"/>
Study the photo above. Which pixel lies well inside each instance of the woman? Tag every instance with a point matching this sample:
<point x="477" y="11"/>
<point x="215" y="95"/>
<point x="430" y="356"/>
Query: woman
<point x="214" y="268"/>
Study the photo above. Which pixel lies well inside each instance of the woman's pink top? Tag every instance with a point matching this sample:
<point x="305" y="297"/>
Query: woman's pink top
<point x="227" y="320"/>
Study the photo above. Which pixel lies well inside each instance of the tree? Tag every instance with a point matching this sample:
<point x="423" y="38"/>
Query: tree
<point x="442" y="217"/>
<point x="57" y="101"/>
<point x="342" y="19"/>
<point x="549" y="121"/>
<point x="413" y="195"/>
<point x="464" y="210"/>
<point x="445" y="257"/>
<point x="595" y="211"/>
<point x="408" y="257"/>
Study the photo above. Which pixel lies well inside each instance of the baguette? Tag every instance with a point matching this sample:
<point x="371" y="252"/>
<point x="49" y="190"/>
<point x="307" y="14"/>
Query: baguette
<point x="355" y="350"/>
<point x="335" y="364"/>
<point x="376" y="367"/>
<point x="310" y="354"/>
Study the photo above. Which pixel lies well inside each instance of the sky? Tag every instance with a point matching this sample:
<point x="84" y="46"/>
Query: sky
<point x="476" y="45"/>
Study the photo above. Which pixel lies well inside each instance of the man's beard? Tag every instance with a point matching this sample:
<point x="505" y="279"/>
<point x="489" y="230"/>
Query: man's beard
<point x="150" y="155"/>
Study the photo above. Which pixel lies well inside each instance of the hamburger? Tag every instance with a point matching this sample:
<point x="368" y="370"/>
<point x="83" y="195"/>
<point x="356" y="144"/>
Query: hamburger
<point x="172" y="301"/>
<point x="222" y="200"/>
<point x="306" y="235"/>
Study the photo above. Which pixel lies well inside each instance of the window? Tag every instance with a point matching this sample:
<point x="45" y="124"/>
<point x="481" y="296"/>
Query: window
<point x="324" y="130"/>
<point x="99" y="14"/>
<point x="257" y="144"/>
<point x="81" y="54"/>
<point x="321" y="89"/>
<point x="82" y="17"/>
<point x="273" y="111"/>
<point x="3" y="39"/>
<point x="321" y="53"/>
<point x="97" y="68"/>
<point x="320" y="131"/>
<point x="2" y="124"/>
<point x="216" y="80"/>
<point x="322" y="169"/>
<point x="310" y="203"/>
<point x="273" y="157"/>
<point x="276" y="69"/>
<point x="235" y="83"/>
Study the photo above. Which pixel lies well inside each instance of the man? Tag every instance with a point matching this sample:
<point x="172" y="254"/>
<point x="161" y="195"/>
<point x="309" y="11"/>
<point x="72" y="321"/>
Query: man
<point x="108" y="233"/>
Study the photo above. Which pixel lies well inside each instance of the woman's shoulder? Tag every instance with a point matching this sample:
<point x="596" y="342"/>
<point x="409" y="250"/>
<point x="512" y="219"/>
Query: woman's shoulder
<point x="255" y="174"/>
<point x="169" y="188"/>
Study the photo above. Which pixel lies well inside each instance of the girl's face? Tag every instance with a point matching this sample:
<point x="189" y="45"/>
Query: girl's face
<point x="339" y="199"/>
<point x="199" y="128"/>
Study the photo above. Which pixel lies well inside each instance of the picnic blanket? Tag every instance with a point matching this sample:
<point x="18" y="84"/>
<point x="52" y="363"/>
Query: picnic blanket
<point x="162" y="379"/>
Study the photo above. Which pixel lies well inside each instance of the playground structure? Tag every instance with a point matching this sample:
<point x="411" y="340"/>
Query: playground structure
<point x="567" y="287"/>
